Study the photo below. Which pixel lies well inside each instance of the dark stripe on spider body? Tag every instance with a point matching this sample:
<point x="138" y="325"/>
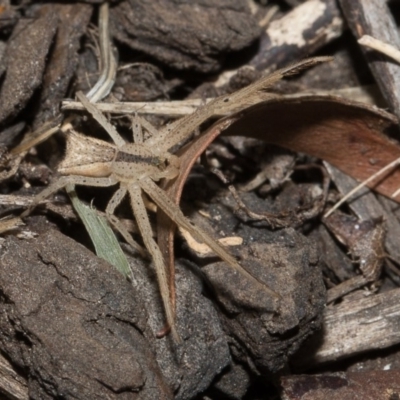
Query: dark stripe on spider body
<point x="135" y="158"/>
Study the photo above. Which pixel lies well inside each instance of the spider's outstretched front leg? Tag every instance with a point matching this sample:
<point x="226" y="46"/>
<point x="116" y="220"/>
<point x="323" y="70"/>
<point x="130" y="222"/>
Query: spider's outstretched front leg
<point x="115" y="200"/>
<point x="64" y="181"/>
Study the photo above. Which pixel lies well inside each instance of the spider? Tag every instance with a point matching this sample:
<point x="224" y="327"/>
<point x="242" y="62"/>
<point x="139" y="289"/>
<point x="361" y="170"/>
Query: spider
<point x="137" y="166"/>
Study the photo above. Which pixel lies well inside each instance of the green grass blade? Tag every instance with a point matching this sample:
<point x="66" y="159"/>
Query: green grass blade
<point x="102" y="236"/>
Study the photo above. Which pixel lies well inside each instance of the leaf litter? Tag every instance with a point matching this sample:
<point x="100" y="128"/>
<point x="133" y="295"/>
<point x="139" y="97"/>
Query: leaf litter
<point x="346" y="134"/>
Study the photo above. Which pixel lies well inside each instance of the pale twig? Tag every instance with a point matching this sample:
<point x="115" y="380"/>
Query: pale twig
<point x="36" y="138"/>
<point x="16" y="200"/>
<point x="177" y="108"/>
<point x="377" y="174"/>
<point x="396" y="193"/>
<point x="108" y="63"/>
<point x="382" y="47"/>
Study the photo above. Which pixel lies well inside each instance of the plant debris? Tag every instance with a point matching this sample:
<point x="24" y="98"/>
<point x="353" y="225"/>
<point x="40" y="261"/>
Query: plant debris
<point x="259" y="168"/>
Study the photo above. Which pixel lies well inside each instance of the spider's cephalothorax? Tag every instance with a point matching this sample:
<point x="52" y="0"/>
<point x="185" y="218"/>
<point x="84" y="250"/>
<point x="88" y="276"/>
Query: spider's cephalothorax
<point x="145" y="163"/>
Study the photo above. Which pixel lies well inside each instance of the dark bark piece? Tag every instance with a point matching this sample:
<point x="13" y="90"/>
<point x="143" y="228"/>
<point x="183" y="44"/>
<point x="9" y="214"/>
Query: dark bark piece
<point x="232" y="383"/>
<point x="8" y="135"/>
<point x="383" y="360"/>
<point x="299" y="33"/>
<point x="185" y="34"/>
<point x="294" y="205"/>
<point x="353" y="327"/>
<point x="74" y="323"/>
<point x="374" y="18"/>
<point x="26" y="60"/>
<point x="370" y="385"/>
<point x="332" y="255"/>
<point x="289" y="264"/>
<point x="3" y="47"/>
<point x="142" y="82"/>
<point x="190" y="367"/>
<point x="391" y="216"/>
<point x="87" y="72"/>
<point x="61" y="65"/>
<point x="8" y="17"/>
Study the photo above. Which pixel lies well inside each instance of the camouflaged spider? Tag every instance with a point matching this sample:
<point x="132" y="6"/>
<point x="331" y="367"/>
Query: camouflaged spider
<point x="137" y="166"/>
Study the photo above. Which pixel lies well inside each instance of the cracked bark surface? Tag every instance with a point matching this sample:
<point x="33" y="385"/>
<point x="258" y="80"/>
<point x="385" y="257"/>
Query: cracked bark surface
<point x="184" y="35"/>
<point x="74" y="323"/>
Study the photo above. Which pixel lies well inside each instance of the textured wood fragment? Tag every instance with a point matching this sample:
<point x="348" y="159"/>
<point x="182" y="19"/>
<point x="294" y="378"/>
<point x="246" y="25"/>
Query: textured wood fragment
<point x="374" y="18"/>
<point x="368" y="385"/>
<point x="26" y="60"/>
<point x="353" y="327"/>
<point x="12" y="385"/>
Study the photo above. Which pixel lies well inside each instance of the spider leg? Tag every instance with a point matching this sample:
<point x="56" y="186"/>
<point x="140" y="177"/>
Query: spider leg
<point x="117" y="224"/>
<point x="137" y="130"/>
<point x="101" y="119"/>
<point x="143" y="222"/>
<point x="176" y="215"/>
<point x="148" y="126"/>
<point x="137" y="124"/>
<point x="115" y="200"/>
<point x="64" y="181"/>
<point x="180" y="130"/>
<point x="120" y="227"/>
<point x="234" y="102"/>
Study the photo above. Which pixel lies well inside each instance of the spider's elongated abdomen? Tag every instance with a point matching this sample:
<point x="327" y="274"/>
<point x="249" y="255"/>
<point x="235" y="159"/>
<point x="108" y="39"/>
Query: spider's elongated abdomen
<point x="87" y="156"/>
